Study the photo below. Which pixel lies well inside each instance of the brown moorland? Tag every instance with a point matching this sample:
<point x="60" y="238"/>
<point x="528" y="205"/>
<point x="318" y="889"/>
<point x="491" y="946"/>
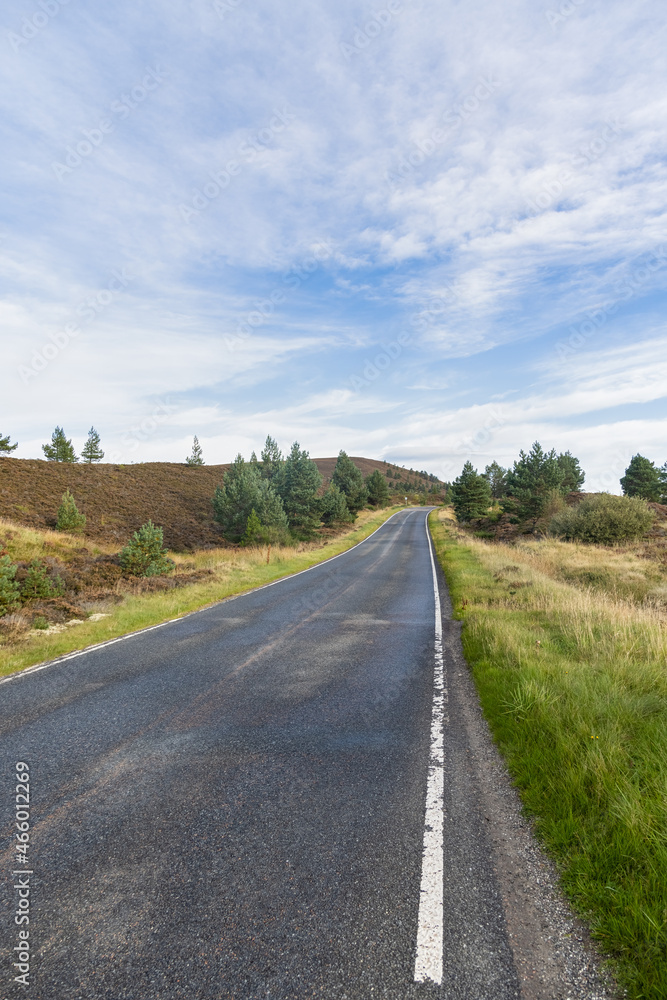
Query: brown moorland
<point x="118" y="499"/>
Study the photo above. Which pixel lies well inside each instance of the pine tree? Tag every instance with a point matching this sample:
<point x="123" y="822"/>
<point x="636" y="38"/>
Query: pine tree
<point x="333" y="506"/>
<point x="533" y="480"/>
<point x="573" y="474"/>
<point x="9" y="589"/>
<point x="5" y="446"/>
<point x="663" y="483"/>
<point x="642" y="479"/>
<point x="60" y="449"/>
<point x="253" y="531"/>
<point x="377" y="489"/>
<point x="143" y="555"/>
<point x="350" y="481"/>
<point x="497" y="477"/>
<point x="242" y="491"/>
<point x="272" y="458"/>
<point x="470" y="494"/>
<point x="297" y="482"/>
<point x="195" y="457"/>
<point x="69" y="516"/>
<point x="91" y="451"/>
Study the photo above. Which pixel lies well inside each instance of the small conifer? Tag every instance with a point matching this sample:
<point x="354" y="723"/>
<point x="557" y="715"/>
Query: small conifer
<point x="91" y="451"/>
<point x="69" y="516"/>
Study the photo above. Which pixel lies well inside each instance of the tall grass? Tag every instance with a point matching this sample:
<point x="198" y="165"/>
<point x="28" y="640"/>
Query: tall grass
<point x="572" y="675"/>
<point x="233" y="571"/>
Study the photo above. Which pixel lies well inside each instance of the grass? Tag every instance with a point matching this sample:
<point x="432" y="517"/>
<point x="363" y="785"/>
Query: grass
<point x="568" y="647"/>
<point x="233" y="571"/>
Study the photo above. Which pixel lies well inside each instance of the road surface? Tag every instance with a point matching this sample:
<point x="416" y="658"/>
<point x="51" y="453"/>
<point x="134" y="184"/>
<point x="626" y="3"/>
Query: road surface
<point x="252" y="802"/>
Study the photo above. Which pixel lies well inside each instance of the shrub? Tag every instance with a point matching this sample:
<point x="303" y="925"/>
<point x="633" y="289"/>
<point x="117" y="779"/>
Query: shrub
<point x="9" y="588"/>
<point x="37" y="583"/>
<point x="69" y="516"/>
<point x="603" y="519"/>
<point x="144" y="554"/>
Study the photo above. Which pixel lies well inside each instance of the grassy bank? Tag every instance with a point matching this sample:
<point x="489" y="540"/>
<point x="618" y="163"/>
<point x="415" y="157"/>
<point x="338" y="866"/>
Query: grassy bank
<point x="568" y="646"/>
<point x="230" y="571"/>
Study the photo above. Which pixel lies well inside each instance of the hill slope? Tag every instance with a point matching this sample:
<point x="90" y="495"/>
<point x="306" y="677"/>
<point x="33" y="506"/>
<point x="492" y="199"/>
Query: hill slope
<point x="117" y="499"/>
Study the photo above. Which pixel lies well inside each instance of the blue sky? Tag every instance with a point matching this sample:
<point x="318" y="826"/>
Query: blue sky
<point x="416" y="230"/>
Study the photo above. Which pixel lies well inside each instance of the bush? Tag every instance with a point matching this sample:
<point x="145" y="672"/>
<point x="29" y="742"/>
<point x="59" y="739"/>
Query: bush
<point x="69" y="516"/>
<point x="9" y="588"/>
<point x="144" y="555"/>
<point x="37" y="583"/>
<point x="603" y="519"/>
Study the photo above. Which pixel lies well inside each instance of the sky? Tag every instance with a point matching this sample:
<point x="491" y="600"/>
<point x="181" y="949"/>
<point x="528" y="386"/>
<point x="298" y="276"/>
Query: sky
<point x="418" y="230"/>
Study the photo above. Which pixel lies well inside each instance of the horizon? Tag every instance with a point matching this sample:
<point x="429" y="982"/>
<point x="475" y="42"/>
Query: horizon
<point x="428" y="234"/>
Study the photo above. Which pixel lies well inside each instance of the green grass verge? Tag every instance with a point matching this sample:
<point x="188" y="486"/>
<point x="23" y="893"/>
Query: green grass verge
<point x="574" y="686"/>
<point x="234" y="572"/>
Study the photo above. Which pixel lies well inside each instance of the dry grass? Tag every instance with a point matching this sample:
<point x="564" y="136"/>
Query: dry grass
<point x="568" y="645"/>
<point x="216" y="574"/>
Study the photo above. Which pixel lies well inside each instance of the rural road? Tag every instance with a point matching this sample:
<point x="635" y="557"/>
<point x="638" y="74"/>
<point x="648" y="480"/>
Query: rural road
<point x="233" y="805"/>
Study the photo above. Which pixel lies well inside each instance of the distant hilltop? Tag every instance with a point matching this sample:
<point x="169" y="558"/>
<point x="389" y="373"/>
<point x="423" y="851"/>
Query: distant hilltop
<point x="118" y="499"/>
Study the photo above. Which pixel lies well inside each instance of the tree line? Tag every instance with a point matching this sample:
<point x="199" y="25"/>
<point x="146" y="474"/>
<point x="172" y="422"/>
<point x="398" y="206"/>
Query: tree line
<point x="274" y="497"/>
<point x="535" y="488"/>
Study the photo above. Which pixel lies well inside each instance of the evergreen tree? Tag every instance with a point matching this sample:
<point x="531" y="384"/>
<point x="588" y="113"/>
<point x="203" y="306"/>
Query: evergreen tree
<point x="254" y="527"/>
<point x="297" y="482"/>
<point x="333" y="507"/>
<point x="60" y="449"/>
<point x="143" y="555"/>
<point x="91" y="451"/>
<point x="5" y="446"/>
<point x="573" y="474"/>
<point x="10" y="591"/>
<point x="195" y="457"/>
<point x="350" y="481"/>
<point x="470" y="494"/>
<point x="642" y="479"/>
<point x="497" y="477"/>
<point x="272" y="458"/>
<point x="69" y="517"/>
<point x="377" y="489"/>
<point x="242" y="491"/>
<point x="663" y="483"/>
<point x="532" y="482"/>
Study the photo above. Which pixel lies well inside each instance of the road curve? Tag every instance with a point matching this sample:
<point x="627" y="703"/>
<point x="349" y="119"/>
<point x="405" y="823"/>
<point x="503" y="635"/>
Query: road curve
<point x="233" y="805"/>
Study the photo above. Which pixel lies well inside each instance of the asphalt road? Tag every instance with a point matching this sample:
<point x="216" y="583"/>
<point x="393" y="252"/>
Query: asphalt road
<point x="233" y="805"/>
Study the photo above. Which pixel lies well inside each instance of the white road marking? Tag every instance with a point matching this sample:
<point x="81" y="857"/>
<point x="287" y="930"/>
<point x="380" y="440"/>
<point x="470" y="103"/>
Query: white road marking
<point x="428" y="963"/>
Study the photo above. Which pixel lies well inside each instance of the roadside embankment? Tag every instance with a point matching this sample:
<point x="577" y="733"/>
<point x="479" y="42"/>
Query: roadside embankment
<point x="568" y="649"/>
<point x="100" y="604"/>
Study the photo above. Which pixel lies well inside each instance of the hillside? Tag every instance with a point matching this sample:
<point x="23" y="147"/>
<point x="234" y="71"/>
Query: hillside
<point x="117" y="499"/>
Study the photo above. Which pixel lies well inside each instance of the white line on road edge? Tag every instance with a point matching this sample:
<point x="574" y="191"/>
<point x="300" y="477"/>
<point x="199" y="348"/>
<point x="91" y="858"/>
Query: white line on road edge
<point x="428" y="963"/>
